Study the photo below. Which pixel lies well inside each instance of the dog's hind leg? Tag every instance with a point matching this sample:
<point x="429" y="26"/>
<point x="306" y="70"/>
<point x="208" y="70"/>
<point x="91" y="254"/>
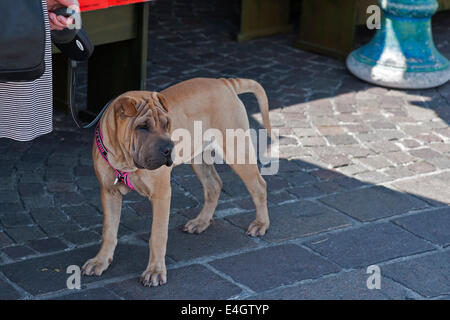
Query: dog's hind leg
<point x="256" y="186"/>
<point x="212" y="185"/>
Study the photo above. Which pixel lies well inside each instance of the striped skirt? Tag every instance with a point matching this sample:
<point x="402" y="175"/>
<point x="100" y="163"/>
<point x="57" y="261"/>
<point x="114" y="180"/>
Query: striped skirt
<point x="26" y="107"/>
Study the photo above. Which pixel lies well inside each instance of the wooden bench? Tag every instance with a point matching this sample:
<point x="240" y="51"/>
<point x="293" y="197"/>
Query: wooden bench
<point x="328" y="26"/>
<point x="119" y="61"/>
<point x="261" y="18"/>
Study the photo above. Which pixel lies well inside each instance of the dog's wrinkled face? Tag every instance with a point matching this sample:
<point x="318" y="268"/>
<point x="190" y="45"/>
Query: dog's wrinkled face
<point x="149" y="128"/>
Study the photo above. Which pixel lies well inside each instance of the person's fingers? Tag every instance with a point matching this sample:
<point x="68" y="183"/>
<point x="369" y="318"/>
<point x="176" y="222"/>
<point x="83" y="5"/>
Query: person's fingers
<point x="53" y="19"/>
<point x="55" y="27"/>
<point x="64" y="21"/>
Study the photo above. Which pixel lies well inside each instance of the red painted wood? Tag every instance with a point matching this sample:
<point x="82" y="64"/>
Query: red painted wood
<point x="87" y="5"/>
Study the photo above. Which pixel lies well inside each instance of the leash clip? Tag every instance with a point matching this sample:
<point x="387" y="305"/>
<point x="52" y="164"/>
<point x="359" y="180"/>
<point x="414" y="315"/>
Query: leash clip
<point x="115" y="181"/>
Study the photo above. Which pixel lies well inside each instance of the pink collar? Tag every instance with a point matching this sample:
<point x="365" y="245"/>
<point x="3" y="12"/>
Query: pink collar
<point x="121" y="176"/>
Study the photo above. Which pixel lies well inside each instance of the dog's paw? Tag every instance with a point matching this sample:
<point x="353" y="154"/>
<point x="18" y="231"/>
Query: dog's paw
<point x="196" y="225"/>
<point x="95" y="266"/>
<point x="257" y="228"/>
<point x="154" y="276"/>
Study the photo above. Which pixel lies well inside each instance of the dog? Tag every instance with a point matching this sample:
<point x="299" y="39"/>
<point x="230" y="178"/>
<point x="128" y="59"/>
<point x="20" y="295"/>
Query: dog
<point x="133" y="150"/>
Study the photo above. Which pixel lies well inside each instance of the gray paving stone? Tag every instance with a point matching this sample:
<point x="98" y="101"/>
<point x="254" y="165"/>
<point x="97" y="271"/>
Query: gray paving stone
<point x="384" y="146"/>
<point x="298" y="178"/>
<point x="5" y="240"/>
<point x="21" y="234"/>
<point x="87" y="220"/>
<point x="123" y="231"/>
<point x="47" y="245"/>
<point x="275" y="183"/>
<point x="306" y="192"/>
<point x="356" y="151"/>
<point x="91" y="197"/>
<point x="428" y="275"/>
<point x="48" y="214"/>
<point x="9" y="196"/>
<point x="399" y="172"/>
<point x="68" y="198"/>
<point x="31" y="189"/>
<point x="343" y="286"/>
<point x="138" y="223"/>
<point x="329" y="187"/>
<point x="375" y="162"/>
<point x="60" y="186"/>
<point x="336" y="161"/>
<point x="373" y="177"/>
<point x="295" y="220"/>
<point x="82" y="210"/>
<point x="434" y="187"/>
<point x="425" y="153"/>
<point x="142" y="208"/>
<point x="219" y="237"/>
<point x="54" y="229"/>
<point x="284" y="264"/>
<point x="7" y="291"/>
<point x="410" y="143"/>
<point x="373" y="203"/>
<point x="368" y="245"/>
<point x="10" y="208"/>
<point x="341" y="139"/>
<point x="431" y="225"/>
<point x="82" y="237"/>
<point x="227" y="208"/>
<point x="17" y="252"/>
<point x="324" y="174"/>
<point x="349" y="183"/>
<point x="90" y="294"/>
<point x="399" y="157"/>
<point x="441" y="162"/>
<point x="38" y="202"/>
<point x="47" y="274"/>
<point x="194" y="282"/>
<point x="16" y="219"/>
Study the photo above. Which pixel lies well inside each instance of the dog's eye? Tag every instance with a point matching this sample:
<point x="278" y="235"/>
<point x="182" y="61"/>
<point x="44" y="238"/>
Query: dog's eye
<point x="142" y="127"/>
<point x="167" y="124"/>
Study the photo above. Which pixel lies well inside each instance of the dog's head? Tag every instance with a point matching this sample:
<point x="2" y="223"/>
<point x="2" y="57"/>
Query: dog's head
<point x="145" y="125"/>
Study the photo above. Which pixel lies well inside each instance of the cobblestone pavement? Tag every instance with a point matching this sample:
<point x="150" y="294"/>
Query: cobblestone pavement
<point x="364" y="179"/>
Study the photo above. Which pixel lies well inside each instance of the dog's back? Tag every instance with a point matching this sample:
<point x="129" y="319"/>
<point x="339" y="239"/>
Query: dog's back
<point x="206" y="92"/>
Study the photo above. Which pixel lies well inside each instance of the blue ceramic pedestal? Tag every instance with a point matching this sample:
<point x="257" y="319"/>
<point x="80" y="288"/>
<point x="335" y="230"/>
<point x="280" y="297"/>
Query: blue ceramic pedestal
<point x="402" y="53"/>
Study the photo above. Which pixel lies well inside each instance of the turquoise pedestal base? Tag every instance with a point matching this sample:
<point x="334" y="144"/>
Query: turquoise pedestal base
<point x="402" y="53"/>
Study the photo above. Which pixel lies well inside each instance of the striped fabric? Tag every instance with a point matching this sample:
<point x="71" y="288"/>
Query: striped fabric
<point x="26" y="107"/>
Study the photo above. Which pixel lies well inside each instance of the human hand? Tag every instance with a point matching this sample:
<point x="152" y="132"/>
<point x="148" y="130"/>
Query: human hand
<point x="58" y="22"/>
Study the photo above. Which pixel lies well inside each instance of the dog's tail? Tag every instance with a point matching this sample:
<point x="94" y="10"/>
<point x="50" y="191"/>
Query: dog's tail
<point x="248" y="85"/>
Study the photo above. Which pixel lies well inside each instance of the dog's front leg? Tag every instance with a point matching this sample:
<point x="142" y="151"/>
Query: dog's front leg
<point x="156" y="273"/>
<point x="112" y="207"/>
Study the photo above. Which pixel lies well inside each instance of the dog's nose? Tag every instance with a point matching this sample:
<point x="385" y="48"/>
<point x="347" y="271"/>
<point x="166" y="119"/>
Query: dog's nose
<point x="167" y="149"/>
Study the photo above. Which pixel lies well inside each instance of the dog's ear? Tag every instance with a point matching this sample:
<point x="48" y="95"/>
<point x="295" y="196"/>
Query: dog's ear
<point x="126" y="106"/>
<point x="162" y="101"/>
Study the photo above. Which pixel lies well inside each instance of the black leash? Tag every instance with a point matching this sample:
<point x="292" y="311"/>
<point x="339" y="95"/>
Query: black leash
<point x="72" y="104"/>
<point x="77" y="46"/>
